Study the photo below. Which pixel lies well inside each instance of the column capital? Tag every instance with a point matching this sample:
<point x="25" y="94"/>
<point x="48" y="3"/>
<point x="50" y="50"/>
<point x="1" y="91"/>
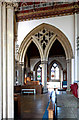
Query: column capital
<point x="0" y="3"/>
<point x="12" y="5"/>
<point x="44" y="62"/>
<point x="22" y="64"/>
<point x="4" y="3"/>
<point x="68" y="60"/>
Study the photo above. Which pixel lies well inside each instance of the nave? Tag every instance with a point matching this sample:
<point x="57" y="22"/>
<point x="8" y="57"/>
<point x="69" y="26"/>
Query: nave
<point x="56" y="105"/>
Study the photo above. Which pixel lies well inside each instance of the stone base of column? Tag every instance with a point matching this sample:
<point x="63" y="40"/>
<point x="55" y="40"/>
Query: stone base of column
<point x="68" y="90"/>
<point x="78" y="89"/>
<point x="45" y="90"/>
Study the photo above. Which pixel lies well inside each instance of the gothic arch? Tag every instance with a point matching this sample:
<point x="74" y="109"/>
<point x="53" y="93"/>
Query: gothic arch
<point x="60" y="36"/>
<point x="24" y="46"/>
<point x="44" y="45"/>
<point x="36" y="65"/>
<point x="57" y="62"/>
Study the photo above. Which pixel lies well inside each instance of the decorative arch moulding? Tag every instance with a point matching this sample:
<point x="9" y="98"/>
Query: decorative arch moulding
<point x="29" y="11"/>
<point x="44" y="53"/>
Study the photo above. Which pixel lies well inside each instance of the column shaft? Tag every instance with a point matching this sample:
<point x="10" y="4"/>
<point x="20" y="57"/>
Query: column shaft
<point x="1" y="63"/>
<point x="68" y="74"/>
<point x="22" y="75"/>
<point x="75" y="45"/>
<point x="73" y="71"/>
<point x="44" y="76"/>
<point x="4" y="62"/>
<point x="78" y="47"/>
<point x="61" y="77"/>
<point x="10" y="62"/>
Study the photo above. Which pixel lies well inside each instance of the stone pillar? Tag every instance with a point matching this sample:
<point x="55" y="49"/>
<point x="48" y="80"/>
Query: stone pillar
<point x="16" y="46"/>
<point x="1" y="63"/>
<point x="61" y="77"/>
<point x="68" y="74"/>
<point x="75" y="45"/>
<point x="34" y="75"/>
<point x="73" y="71"/>
<point x="4" y="34"/>
<point x="78" y="89"/>
<point x="10" y="60"/>
<point x="49" y="73"/>
<point x="22" y="74"/>
<point x="44" y="75"/>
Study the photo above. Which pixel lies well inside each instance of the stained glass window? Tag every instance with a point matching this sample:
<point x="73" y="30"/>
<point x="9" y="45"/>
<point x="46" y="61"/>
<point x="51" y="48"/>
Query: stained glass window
<point x="39" y="73"/>
<point x="54" y="72"/>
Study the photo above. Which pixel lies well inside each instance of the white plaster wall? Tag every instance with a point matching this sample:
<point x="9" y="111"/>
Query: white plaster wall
<point x="64" y="23"/>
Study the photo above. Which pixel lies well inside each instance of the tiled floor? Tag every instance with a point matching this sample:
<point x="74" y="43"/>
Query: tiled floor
<point x="67" y="107"/>
<point x="34" y="106"/>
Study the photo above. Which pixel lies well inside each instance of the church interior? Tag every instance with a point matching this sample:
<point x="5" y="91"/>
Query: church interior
<point x="39" y="59"/>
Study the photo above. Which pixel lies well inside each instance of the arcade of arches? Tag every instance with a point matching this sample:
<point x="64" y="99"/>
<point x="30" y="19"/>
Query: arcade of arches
<point x="44" y="47"/>
<point x="47" y="56"/>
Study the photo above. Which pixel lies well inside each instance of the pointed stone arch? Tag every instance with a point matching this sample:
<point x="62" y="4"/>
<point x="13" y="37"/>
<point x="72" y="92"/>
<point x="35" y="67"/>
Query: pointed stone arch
<point x="36" y="65"/>
<point x="55" y="34"/>
<point x="57" y="62"/>
<point x="60" y="36"/>
<point x="24" y="46"/>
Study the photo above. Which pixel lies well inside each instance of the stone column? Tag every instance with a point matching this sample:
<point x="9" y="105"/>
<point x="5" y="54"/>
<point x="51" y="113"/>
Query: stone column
<point x="4" y="60"/>
<point x="78" y="89"/>
<point x="75" y="45"/>
<point x="1" y="63"/>
<point x="61" y="77"/>
<point x="68" y="74"/>
<point x="16" y="46"/>
<point x="34" y="75"/>
<point x="22" y="65"/>
<point x="10" y="60"/>
<point x="73" y="71"/>
<point x="44" y="75"/>
<point x="49" y="73"/>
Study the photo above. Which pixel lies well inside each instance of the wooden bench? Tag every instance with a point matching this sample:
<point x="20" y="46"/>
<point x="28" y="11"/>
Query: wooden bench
<point x="28" y="91"/>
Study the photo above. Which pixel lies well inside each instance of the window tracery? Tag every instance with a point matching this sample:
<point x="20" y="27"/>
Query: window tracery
<point x="44" y="36"/>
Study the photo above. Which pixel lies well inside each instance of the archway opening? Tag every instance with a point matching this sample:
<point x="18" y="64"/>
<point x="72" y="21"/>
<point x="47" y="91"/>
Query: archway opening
<point x="57" y="50"/>
<point x="30" y="59"/>
<point x="56" y="65"/>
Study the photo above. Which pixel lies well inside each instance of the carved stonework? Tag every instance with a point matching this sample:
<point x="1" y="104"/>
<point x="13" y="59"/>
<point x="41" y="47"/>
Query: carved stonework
<point x="44" y="62"/>
<point x="44" y="36"/>
<point x="68" y="60"/>
<point x="0" y="3"/>
<point x="4" y="3"/>
<point x="12" y="5"/>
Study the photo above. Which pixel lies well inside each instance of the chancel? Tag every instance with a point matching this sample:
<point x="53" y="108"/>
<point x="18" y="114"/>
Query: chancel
<point x="39" y="59"/>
